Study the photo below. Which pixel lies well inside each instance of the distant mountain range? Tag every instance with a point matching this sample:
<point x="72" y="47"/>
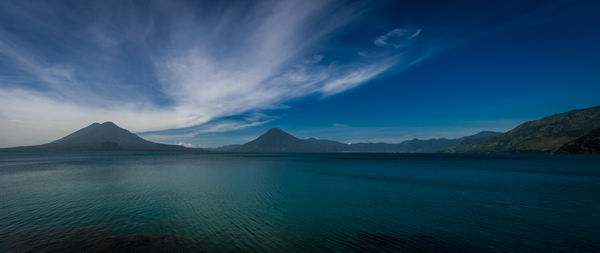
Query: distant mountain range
<point x="546" y="135"/>
<point x="276" y="140"/>
<point x="573" y="132"/>
<point x="101" y="137"/>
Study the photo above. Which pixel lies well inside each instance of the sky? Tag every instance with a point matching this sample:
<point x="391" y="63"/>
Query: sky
<point x="211" y="73"/>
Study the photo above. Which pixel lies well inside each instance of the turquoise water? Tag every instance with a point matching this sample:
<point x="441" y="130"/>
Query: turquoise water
<point x="298" y="202"/>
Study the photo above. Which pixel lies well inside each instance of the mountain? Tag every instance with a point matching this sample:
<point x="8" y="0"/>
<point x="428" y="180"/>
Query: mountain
<point x="587" y="144"/>
<point x="277" y="140"/>
<point x="101" y="137"/>
<point x="545" y="135"/>
<point x="274" y="140"/>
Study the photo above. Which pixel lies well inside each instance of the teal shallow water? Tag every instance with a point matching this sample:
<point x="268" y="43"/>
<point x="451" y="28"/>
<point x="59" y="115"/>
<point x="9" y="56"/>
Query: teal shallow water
<point x="298" y="202"/>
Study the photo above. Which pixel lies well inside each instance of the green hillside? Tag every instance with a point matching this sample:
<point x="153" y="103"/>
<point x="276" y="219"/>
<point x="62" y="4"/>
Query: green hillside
<point x="545" y="135"/>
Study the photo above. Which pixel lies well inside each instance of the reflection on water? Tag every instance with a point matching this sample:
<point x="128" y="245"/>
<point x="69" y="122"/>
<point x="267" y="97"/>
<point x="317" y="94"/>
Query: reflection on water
<point x="161" y="202"/>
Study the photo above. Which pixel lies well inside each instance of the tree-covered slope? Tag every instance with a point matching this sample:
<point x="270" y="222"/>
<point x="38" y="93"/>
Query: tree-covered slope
<point x="587" y="144"/>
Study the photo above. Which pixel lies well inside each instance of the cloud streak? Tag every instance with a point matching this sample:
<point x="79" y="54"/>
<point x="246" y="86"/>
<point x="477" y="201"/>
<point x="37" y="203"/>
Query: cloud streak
<point x="397" y="38"/>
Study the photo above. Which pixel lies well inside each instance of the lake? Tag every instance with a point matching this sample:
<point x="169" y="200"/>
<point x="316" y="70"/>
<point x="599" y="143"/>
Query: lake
<point x="231" y="202"/>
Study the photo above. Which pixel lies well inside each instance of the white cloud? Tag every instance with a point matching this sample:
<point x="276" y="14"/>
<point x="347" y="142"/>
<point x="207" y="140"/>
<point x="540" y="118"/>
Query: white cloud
<point x="209" y="66"/>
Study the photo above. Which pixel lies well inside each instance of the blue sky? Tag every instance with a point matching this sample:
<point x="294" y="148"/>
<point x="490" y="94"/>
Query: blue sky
<point x="207" y="74"/>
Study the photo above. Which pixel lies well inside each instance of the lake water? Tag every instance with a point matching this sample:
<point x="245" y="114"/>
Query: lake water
<point x="298" y="202"/>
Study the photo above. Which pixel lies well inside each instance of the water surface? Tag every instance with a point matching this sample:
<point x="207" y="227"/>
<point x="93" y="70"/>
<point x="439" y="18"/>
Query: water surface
<point x="298" y="202"/>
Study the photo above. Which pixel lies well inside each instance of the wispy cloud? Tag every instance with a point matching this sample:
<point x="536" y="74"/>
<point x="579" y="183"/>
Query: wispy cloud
<point x="170" y="66"/>
<point x="397" y="38"/>
<point x="56" y="76"/>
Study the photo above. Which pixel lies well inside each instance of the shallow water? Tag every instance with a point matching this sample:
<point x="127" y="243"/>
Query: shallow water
<point x="298" y="202"/>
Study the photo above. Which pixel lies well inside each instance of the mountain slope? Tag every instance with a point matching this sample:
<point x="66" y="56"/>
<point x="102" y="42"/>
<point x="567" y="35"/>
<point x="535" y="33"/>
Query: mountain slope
<point x="100" y="137"/>
<point x="468" y="142"/>
<point x="545" y="135"/>
<point x="587" y="144"/>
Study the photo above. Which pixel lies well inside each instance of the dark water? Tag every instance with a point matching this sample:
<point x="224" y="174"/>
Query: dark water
<point x="298" y="202"/>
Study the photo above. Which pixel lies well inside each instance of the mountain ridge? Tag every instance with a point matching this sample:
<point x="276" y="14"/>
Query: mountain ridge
<point x="574" y="131"/>
<point x="277" y="140"/>
<point x="545" y="135"/>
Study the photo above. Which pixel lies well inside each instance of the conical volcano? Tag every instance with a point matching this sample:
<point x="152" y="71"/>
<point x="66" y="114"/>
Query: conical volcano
<point x="101" y="137"/>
